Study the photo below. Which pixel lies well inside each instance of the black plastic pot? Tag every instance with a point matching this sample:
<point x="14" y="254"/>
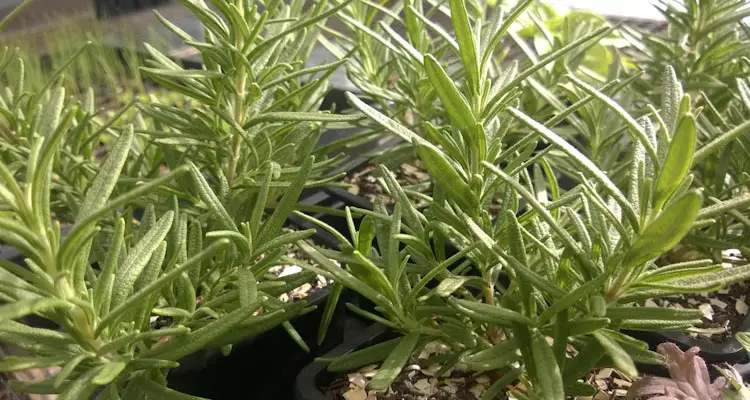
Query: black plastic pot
<point x="729" y="351"/>
<point x="262" y="367"/>
<point x="315" y="376"/>
<point x="10" y="254"/>
<point x="744" y="370"/>
<point x="267" y="364"/>
<point x="106" y="9"/>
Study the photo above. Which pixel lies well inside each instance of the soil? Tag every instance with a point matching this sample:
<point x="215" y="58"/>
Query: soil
<point x="410" y="175"/>
<point x="5" y="393"/>
<point x="611" y="384"/>
<point x="724" y="311"/>
<point x="413" y="384"/>
<point x="418" y="381"/>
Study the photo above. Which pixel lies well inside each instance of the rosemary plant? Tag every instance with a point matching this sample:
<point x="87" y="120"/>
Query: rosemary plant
<point x="252" y="126"/>
<point x="55" y="284"/>
<point x="133" y="299"/>
<point x="28" y="113"/>
<point x="388" y="68"/>
<point x="254" y="116"/>
<point x="106" y="310"/>
<point x="702" y="42"/>
<point x="721" y="167"/>
<point x="566" y="265"/>
<point x="590" y="126"/>
<point x="513" y="272"/>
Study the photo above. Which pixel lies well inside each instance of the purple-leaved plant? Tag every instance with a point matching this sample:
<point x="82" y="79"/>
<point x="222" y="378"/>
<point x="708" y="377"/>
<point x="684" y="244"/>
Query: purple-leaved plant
<point x="689" y="380"/>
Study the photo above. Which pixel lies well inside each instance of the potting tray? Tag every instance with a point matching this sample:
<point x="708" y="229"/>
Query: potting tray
<point x="262" y="367"/>
<point x="729" y="351"/>
<point x="315" y="376"/>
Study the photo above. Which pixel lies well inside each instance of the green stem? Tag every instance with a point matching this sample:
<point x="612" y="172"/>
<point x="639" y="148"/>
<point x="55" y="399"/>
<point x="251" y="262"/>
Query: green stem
<point x="614" y="290"/>
<point x="239" y="116"/>
<point x="79" y="325"/>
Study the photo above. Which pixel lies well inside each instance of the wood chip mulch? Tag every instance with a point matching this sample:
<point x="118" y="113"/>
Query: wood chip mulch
<point x="283" y="270"/>
<point x="724" y="311"/>
<point x="419" y="381"/>
<point x="34" y="374"/>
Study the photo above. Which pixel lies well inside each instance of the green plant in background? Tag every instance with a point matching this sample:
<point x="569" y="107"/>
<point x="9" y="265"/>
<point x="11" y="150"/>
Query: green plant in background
<point x="702" y="46"/>
<point x="110" y="66"/>
<point x="568" y="264"/>
<point x="600" y="66"/>
<point x="28" y="113"/>
<point x="110" y="71"/>
<point x="720" y="167"/>
<point x="702" y="41"/>
<point x="541" y="30"/>
<point x="385" y="61"/>
<point x="547" y="28"/>
<point x="386" y="66"/>
<point x="574" y="80"/>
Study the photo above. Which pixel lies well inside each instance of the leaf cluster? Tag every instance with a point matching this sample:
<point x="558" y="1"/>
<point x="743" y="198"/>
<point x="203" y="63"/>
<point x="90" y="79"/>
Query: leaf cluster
<point x="505" y="266"/>
<point x="176" y="213"/>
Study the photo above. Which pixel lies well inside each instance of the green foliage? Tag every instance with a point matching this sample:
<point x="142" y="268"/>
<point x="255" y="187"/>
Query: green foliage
<point x="96" y="347"/>
<point x="702" y="42"/>
<point x="507" y="265"/>
<point x="254" y="118"/>
<point x="199" y="260"/>
<point x="149" y="270"/>
<point x="111" y="73"/>
<point x="572" y="262"/>
<point x="702" y="46"/>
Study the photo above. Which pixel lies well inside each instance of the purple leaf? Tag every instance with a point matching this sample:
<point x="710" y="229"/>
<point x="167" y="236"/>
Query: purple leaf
<point x="689" y="378"/>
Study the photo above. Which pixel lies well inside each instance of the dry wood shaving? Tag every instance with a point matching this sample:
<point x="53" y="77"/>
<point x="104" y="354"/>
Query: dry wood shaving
<point x="723" y="311"/>
<point x="418" y="381"/>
